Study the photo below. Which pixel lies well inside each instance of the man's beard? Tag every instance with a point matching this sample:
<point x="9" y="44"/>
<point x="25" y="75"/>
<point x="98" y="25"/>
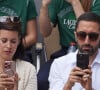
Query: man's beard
<point x="91" y="50"/>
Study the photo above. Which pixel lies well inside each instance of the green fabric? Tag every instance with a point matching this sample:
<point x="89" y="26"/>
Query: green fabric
<point x="61" y="13"/>
<point x="25" y="9"/>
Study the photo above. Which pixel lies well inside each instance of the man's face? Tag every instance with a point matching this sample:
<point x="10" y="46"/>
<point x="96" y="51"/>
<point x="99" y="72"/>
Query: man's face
<point x="88" y="37"/>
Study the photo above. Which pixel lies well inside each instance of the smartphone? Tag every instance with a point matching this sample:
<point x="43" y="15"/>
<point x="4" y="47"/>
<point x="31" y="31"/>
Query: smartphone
<point x="82" y="60"/>
<point x="9" y="68"/>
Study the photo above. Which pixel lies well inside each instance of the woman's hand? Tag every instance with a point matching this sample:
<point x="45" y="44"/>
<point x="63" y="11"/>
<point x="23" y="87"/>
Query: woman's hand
<point x="5" y="81"/>
<point x="8" y="82"/>
<point x="16" y="81"/>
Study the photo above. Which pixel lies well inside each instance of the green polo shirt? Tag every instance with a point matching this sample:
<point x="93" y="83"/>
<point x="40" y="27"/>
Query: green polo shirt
<point x="61" y="13"/>
<point x="25" y="9"/>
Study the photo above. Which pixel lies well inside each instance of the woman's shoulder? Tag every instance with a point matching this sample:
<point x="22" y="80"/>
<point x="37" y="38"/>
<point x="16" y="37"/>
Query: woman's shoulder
<point x="24" y="64"/>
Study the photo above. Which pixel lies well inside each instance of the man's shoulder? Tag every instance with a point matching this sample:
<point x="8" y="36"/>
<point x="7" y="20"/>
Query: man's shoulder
<point x="69" y="58"/>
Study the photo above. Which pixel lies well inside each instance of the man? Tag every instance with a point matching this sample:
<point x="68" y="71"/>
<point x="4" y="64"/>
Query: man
<point x="64" y="74"/>
<point x="64" y="14"/>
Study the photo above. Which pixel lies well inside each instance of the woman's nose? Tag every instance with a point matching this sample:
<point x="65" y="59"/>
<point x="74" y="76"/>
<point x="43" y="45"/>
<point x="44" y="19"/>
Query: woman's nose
<point x="9" y="45"/>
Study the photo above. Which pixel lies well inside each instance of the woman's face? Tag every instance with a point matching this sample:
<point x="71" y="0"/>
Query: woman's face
<point x="9" y="41"/>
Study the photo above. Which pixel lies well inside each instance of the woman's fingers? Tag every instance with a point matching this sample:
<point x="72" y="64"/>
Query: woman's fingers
<point x="5" y="81"/>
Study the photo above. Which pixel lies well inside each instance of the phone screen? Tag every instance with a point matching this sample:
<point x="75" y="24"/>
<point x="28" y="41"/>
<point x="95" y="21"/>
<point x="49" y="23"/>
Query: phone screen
<point x="82" y="60"/>
<point x="9" y="68"/>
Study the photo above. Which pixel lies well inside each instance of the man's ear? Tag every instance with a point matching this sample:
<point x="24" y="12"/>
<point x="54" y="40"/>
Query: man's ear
<point x="75" y="36"/>
<point x="99" y="41"/>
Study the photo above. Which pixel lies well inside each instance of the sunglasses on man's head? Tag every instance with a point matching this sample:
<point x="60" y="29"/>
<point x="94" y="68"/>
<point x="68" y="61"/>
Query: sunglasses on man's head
<point x="5" y="19"/>
<point x="93" y="36"/>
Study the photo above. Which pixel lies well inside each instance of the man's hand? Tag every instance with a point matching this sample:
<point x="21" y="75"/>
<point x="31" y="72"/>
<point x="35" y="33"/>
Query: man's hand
<point x="87" y="79"/>
<point x="74" y="77"/>
<point x="81" y="76"/>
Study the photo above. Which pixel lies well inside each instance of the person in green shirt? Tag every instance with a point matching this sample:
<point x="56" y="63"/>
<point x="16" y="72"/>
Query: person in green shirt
<point x="62" y="13"/>
<point x="25" y="9"/>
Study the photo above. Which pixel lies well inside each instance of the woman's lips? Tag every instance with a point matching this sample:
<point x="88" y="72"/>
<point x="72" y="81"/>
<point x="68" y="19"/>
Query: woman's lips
<point x="8" y="52"/>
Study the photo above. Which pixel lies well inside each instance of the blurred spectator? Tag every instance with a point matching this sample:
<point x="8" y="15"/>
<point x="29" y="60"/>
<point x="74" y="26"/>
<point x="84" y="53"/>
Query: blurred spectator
<point x="25" y="9"/>
<point x="64" y="14"/>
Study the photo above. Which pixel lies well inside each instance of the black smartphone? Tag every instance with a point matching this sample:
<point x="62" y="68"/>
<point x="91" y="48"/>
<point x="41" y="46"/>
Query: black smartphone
<point x="82" y="60"/>
<point x="9" y="68"/>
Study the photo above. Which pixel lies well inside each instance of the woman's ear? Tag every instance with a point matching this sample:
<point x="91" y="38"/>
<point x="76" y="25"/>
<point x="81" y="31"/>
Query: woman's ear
<point x="18" y="41"/>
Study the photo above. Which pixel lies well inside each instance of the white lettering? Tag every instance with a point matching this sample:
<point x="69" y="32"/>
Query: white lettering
<point x="70" y="23"/>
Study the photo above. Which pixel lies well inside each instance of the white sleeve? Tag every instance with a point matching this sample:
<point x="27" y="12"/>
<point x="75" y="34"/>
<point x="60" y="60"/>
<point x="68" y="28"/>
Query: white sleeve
<point x="55" y="79"/>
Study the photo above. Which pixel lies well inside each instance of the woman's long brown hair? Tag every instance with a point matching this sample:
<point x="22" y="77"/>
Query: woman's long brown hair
<point x="86" y="4"/>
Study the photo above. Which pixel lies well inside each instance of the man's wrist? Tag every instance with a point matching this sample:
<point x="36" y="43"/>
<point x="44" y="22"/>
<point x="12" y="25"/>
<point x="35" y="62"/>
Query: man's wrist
<point x="87" y="89"/>
<point x="68" y="86"/>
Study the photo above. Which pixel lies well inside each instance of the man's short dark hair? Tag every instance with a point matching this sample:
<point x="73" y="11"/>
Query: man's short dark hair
<point x="88" y="16"/>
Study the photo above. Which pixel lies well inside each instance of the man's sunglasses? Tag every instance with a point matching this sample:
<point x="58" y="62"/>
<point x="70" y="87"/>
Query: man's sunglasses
<point x="93" y="36"/>
<point x="5" y="19"/>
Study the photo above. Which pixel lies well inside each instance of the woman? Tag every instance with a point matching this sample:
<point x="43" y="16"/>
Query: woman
<point x="26" y="10"/>
<point x="10" y="50"/>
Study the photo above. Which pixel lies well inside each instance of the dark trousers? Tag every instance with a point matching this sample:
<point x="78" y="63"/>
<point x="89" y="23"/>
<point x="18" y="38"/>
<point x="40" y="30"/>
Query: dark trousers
<point x="43" y="73"/>
<point x="42" y="76"/>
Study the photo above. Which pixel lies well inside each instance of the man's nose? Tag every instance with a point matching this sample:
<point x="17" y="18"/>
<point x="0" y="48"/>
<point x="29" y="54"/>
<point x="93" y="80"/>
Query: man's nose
<point x="87" y="40"/>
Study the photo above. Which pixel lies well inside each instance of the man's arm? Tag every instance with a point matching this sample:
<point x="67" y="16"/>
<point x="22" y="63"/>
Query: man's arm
<point x="44" y="20"/>
<point x="31" y="33"/>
